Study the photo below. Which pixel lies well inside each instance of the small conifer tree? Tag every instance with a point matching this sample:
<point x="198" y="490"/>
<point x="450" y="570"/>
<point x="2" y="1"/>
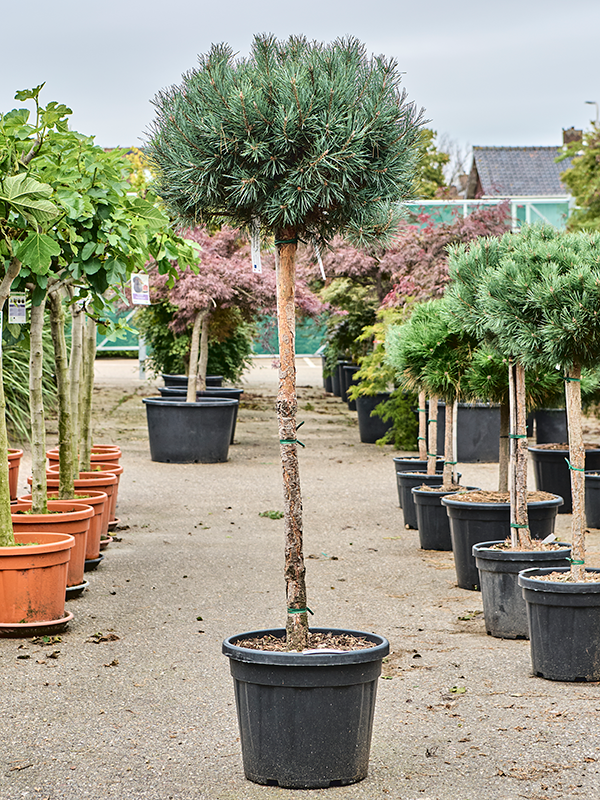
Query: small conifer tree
<point x="300" y="140"/>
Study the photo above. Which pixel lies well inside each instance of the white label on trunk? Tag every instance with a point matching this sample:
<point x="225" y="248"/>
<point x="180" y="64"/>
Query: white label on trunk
<point x="17" y="310"/>
<point x="319" y="259"/>
<point x="255" y="245"/>
<point x="140" y="289"/>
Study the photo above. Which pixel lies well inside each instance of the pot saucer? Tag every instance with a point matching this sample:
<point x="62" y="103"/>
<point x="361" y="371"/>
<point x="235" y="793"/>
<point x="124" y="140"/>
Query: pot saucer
<point x="92" y="563"/>
<point x="105" y="542"/>
<point x="112" y="525"/>
<point x="75" y="591"/>
<point x="13" y="629"/>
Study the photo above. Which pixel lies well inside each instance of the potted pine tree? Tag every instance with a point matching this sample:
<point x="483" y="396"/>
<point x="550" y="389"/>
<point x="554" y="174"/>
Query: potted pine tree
<point x="299" y="140"/>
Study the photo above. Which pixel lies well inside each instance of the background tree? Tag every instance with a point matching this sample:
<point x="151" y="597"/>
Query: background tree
<point x="299" y="140"/>
<point x="430" y="178"/>
<point x="583" y="179"/>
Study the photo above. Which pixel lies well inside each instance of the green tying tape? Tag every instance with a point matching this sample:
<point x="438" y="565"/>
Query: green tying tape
<point x="450" y="462"/>
<point x="576" y="561"/>
<point x="292" y="441"/>
<point x="421" y="439"/>
<point x="432" y="455"/>
<point x="517" y="436"/>
<point x="516" y="525"/>
<point x="429" y="421"/>
<point x="574" y="469"/>
<point x="572" y="380"/>
<point x="424" y="410"/>
<point x="300" y="611"/>
<point x="286" y="241"/>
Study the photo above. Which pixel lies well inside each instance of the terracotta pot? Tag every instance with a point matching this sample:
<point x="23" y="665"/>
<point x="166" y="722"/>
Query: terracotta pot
<point x="14" y="462"/>
<point x="114" y="469"/>
<point x="67" y="517"/>
<point x="99" y="502"/>
<point x="96" y="481"/>
<point x="100" y="452"/>
<point x="33" y="581"/>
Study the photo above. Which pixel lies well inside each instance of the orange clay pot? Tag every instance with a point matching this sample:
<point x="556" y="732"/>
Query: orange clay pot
<point x="99" y="502"/>
<point x="100" y="452"/>
<point x="14" y="461"/>
<point x="115" y="469"/>
<point x="96" y="481"/>
<point x="67" y="517"/>
<point x="33" y="581"/>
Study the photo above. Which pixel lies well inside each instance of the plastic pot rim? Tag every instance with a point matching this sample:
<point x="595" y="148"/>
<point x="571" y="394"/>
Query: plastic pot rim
<point x="527" y="581"/>
<point x="515" y="555"/>
<point x="203" y="402"/>
<point x="557" y="501"/>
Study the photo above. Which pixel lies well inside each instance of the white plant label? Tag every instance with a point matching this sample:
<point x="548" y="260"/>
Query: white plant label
<point x="17" y="309"/>
<point x="140" y="289"/>
<point x="319" y="259"/>
<point x="255" y="245"/>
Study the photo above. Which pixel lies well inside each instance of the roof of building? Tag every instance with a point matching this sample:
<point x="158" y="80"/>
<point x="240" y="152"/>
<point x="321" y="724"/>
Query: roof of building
<point x="516" y="172"/>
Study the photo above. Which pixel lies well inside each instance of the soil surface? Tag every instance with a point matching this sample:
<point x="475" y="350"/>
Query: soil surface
<point x="501" y="497"/>
<point x="135" y="701"/>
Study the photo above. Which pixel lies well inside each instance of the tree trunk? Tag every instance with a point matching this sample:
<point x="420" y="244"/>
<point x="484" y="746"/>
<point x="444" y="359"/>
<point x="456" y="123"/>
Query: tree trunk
<point x="193" y="366"/>
<point x="6" y="529"/>
<point x="66" y="487"/>
<point x="87" y="393"/>
<point x="519" y="522"/>
<point x="77" y="322"/>
<point x="448" y="476"/>
<point x="203" y="360"/>
<point x="432" y="434"/>
<point x="39" y="489"/>
<point x="422" y="426"/>
<point x="577" y="470"/>
<point x="504" y="451"/>
<point x="297" y="617"/>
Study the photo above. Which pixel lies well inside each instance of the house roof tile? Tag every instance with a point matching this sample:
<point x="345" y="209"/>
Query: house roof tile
<point x="519" y="171"/>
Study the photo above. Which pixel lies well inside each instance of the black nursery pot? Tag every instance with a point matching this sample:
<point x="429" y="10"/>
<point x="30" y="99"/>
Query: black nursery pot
<point x="407" y="481"/>
<point x="552" y="472"/>
<point x="412" y="464"/>
<point x="551" y="425"/>
<point x="371" y="428"/>
<point x="592" y="499"/>
<point x="564" y="626"/>
<point x="504" y="607"/>
<point x="478" y="431"/>
<point x="473" y="523"/>
<point x="305" y="719"/>
<point x="230" y="393"/>
<point x="183" y="433"/>
<point x="341" y="380"/>
<point x="348" y="373"/>
<point x="181" y="381"/>
<point x="432" y="518"/>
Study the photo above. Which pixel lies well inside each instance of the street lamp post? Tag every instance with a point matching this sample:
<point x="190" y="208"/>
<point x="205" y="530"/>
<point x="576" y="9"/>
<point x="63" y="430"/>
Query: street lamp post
<point x="594" y="103"/>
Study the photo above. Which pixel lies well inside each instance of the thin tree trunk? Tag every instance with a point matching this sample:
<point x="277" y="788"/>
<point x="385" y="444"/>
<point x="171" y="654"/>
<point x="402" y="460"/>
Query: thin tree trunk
<point x="194" y="357"/>
<point x="66" y="488"/>
<point x="87" y="393"/>
<point x="422" y="426"/>
<point x="432" y="434"/>
<point x="77" y="322"/>
<point x="448" y="477"/>
<point x="6" y="529"/>
<point x="504" y="449"/>
<point x="39" y="489"/>
<point x="576" y="468"/>
<point x="203" y="359"/>
<point x="519" y="522"/>
<point x="297" y="617"/>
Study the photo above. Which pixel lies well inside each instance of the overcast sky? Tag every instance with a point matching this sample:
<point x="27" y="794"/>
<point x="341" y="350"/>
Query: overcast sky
<point x="513" y="72"/>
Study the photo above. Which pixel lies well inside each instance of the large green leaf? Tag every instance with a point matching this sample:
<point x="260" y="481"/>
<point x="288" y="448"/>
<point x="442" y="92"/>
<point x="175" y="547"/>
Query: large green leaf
<point x="148" y="212"/>
<point x="28" y="197"/>
<point x="36" y="252"/>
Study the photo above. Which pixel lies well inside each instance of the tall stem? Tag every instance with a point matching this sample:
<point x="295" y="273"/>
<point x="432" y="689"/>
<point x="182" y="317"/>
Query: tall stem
<point x="75" y="361"/>
<point x="447" y="477"/>
<point x="66" y="487"/>
<point x="203" y="359"/>
<point x="432" y="434"/>
<point x="87" y="393"/>
<point x="194" y="357"/>
<point x="577" y="467"/>
<point x="39" y="490"/>
<point x="422" y="426"/>
<point x="297" y="618"/>
<point x="520" y="535"/>
<point x="504" y="449"/>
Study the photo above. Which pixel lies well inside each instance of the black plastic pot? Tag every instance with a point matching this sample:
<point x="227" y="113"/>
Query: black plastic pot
<point x="432" y="518"/>
<point x="412" y="464"/>
<point x="348" y="373"/>
<point x="335" y="382"/>
<point x="182" y="380"/>
<point x="564" y="626"/>
<point x="211" y="391"/>
<point x="478" y="431"/>
<point x="592" y="499"/>
<point x="371" y="428"/>
<point x="504" y="608"/>
<point x="183" y="433"/>
<point x="341" y="381"/>
<point x="551" y="425"/>
<point x="473" y="523"/>
<point x="327" y="383"/>
<point x="552" y="472"/>
<point x="305" y="719"/>
<point x="407" y="481"/>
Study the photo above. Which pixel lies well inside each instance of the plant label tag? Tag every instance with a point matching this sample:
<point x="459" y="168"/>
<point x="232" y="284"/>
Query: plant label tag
<point x="319" y="259"/>
<point x="550" y="538"/>
<point x="140" y="289"/>
<point x="255" y="245"/>
<point x="17" y="309"/>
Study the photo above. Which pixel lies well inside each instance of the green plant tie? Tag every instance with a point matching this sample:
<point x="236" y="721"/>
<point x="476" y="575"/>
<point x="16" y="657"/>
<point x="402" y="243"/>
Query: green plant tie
<point x="429" y="421"/>
<point x="574" y="469"/>
<point x="451" y="462"/>
<point x="294" y="441"/>
<point x="286" y="241"/>
<point x="424" y="410"/>
<point x="421" y="439"/>
<point x="572" y="380"/>
<point x="516" y="525"/>
<point x="576" y="561"/>
<point x="517" y="436"/>
<point x="432" y="455"/>
<point x="300" y="611"/>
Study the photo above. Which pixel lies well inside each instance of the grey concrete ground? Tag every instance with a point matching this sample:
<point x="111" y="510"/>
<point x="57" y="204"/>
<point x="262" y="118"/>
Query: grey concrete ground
<point x="147" y="712"/>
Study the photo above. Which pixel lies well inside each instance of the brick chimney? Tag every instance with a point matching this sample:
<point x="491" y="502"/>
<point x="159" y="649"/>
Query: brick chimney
<point x="572" y="135"/>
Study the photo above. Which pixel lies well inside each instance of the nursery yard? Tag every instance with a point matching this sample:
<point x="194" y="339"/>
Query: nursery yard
<point x="135" y="700"/>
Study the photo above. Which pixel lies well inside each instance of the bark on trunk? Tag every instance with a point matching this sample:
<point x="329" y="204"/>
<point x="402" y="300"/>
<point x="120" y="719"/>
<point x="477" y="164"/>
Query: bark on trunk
<point x="6" y="529"/>
<point x="39" y="489"/>
<point x="447" y="476"/>
<point x="297" y="617"/>
<point x="504" y="450"/>
<point x="576" y="468"/>
<point x="432" y="434"/>
<point x="422" y="426"/>
<point x="66" y="488"/>
<point x="193" y="366"/>
<point x="203" y="360"/>
<point x="75" y="360"/>
<point x="519" y="522"/>
<point x="87" y="393"/>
